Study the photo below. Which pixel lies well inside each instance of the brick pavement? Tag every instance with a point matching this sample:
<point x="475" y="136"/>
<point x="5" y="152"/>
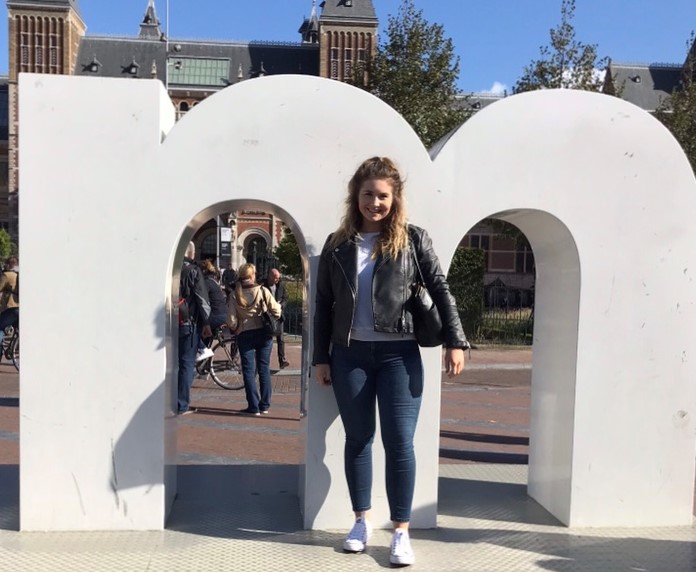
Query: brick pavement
<point x="479" y="402"/>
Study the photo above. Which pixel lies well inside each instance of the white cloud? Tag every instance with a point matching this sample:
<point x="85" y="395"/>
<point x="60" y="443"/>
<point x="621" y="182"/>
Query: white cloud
<point x="498" y="88"/>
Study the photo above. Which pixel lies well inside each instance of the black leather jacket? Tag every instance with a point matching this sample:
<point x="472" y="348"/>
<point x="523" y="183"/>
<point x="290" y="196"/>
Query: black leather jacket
<point x="391" y="290"/>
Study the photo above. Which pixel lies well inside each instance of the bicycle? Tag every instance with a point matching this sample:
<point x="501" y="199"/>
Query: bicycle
<point x="224" y="367"/>
<point x="10" y="345"/>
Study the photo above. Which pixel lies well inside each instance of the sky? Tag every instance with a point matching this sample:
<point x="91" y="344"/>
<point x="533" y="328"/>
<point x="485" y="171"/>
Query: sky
<point x="494" y="39"/>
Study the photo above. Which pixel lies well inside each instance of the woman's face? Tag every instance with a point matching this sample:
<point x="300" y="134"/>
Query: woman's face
<point x="375" y="199"/>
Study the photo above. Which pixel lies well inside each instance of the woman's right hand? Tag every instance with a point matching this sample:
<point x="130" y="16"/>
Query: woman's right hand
<point x="323" y="373"/>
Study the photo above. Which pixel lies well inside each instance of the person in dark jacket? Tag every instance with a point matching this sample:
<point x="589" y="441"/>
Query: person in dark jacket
<point x="194" y="321"/>
<point x="218" y="307"/>
<point x="364" y="342"/>
<point x="277" y="288"/>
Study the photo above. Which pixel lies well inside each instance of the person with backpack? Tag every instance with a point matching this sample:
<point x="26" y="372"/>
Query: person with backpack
<point x="194" y="321"/>
<point x="218" y="307"/>
<point x="9" y="296"/>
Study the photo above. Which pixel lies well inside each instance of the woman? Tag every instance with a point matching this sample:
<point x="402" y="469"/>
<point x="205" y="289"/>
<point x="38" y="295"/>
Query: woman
<point x="364" y="345"/>
<point x="218" y="307"/>
<point x="246" y="307"/>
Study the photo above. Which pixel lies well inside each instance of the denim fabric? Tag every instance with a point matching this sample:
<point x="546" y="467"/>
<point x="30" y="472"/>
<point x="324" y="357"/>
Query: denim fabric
<point x="188" y="345"/>
<point x="391" y="375"/>
<point x="7" y="318"/>
<point x="255" y="350"/>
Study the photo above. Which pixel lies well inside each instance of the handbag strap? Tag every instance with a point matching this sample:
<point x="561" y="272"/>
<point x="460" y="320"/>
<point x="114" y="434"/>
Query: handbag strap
<point x="415" y="259"/>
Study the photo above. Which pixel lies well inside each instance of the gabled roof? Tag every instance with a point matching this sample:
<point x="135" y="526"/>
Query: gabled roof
<point x="194" y="63"/>
<point x="645" y="85"/>
<point x="348" y="10"/>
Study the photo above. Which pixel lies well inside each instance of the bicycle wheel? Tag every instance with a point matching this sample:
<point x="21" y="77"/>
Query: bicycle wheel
<point x="224" y="366"/>
<point x="14" y="351"/>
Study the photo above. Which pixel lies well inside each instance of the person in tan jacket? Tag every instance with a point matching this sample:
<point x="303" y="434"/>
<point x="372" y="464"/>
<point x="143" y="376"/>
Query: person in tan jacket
<point x="9" y="296"/>
<point x="245" y="317"/>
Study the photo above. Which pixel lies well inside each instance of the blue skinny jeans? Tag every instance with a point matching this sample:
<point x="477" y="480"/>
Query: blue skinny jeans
<point x="389" y="374"/>
<point x="255" y="351"/>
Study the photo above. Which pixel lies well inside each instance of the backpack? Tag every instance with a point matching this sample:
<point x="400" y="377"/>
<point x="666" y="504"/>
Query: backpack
<point x="186" y="282"/>
<point x="15" y="290"/>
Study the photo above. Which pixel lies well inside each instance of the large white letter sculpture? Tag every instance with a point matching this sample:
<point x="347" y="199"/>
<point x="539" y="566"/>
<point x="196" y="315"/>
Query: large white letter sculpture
<point x="112" y="191"/>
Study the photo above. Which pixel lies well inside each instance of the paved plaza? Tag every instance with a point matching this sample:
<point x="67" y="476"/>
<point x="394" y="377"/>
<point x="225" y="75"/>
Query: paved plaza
<point x="237" y="507"/>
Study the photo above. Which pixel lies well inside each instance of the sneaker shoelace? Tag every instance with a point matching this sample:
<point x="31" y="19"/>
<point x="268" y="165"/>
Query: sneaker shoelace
<point x="359" y="531"/>
<point x="401" y="546"/>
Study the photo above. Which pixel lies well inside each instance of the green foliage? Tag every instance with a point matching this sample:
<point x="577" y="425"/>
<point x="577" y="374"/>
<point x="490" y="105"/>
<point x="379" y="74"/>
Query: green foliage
<point x="679" y="113"/>
<point x="288" y="254"/>
<point x="565" y="62"/>
<point x="465" y="279"/>
<point x="415" y="71"/>
<point x="7" y="247"/>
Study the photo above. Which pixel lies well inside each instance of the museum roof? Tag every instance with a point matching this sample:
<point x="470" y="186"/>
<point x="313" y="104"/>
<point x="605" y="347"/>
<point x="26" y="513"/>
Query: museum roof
<point x="358" y="10"/>
<point x="196" y="63"/>
<point x="645" y="85"/>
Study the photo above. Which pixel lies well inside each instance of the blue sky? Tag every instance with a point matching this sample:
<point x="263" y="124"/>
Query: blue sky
<point x="495" y="39"/>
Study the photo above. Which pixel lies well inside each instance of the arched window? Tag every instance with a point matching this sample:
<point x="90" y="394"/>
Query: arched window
<point x="209" y="248"/>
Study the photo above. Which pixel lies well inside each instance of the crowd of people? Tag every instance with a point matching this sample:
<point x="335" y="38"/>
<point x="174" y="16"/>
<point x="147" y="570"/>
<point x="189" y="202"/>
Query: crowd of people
<point x="210" y="299"/>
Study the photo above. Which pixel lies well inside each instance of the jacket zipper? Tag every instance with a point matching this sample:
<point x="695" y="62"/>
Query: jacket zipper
<point x="352" y="292"/>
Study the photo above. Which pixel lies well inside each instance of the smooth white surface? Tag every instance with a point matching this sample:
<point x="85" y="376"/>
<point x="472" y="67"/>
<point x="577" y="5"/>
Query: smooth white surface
<point x="607" y="199"/>
<point x="602" y="191"/>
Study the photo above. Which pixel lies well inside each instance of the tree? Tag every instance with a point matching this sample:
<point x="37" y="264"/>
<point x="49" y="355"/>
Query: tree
<point x="565" y="62"/>
<point x="288" y="254"/>
<point x="415" y="71"/>
<point x="679" y="113"/>
<point x="7" y="247"/>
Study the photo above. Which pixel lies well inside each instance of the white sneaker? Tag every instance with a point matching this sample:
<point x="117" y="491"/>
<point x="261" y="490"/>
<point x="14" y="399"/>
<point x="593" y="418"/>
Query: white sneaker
<point x="400" y="551"/>
<point x="357" y="538"/>
<point x="204" y="354"/>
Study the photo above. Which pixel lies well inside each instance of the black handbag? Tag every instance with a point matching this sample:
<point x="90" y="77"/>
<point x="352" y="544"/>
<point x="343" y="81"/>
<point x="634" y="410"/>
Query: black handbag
<point x="427" y="323"/>
<point x="272" y="326"/>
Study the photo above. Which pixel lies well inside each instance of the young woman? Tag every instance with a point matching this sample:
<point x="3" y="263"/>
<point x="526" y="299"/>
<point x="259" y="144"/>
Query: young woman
<point x="246" y="306"/>
<point x="364" y="343"/>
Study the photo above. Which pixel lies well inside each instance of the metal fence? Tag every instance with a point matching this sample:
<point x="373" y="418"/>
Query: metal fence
<point x="499" y="324"/>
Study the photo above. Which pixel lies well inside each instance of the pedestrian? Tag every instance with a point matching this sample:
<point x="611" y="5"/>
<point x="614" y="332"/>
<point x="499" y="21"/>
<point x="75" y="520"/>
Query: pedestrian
<point x="218" y="307"/>
<point x="194" y="317"/>
<point x="364" y="343"/>
<point x="229" y="279"/>
<point x="277" y="288"/>
<point x="245" y="314"/>
<point x="9" y="296"/>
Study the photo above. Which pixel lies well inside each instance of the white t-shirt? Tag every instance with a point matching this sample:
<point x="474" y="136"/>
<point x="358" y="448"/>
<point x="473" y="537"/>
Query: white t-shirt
<point x="364" y="320"/>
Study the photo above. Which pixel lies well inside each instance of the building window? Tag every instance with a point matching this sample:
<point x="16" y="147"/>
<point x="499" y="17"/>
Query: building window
<point x="362" y="55"/>
<point x="348" y="62"/>
<point x="483" y="242"/>
<point x="24" y="49"/>
<point x="39" y="51"/>
<point x="209" y="248"/>
<point x="334" y="63"/>
<point x="53" y="53"/>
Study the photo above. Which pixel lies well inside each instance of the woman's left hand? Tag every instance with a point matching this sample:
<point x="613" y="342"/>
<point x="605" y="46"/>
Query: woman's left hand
<point x="454" y="361"/>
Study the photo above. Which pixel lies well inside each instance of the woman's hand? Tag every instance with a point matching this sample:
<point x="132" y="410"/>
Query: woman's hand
<point x="454" y="361"/>
<point x="322" y="371"/>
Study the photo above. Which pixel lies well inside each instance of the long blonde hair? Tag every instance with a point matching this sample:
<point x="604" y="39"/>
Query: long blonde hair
<point x="245" y="272"/>
<point x="394" y="236"/>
